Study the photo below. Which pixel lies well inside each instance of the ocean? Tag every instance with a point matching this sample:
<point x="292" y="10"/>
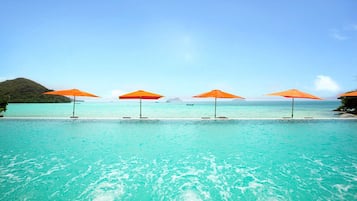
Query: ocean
<point x="152" y="109"/>
<point x="258" y="156"/>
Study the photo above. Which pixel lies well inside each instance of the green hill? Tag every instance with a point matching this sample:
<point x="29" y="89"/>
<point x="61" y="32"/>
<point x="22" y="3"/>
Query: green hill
<point x="22" y="90"/>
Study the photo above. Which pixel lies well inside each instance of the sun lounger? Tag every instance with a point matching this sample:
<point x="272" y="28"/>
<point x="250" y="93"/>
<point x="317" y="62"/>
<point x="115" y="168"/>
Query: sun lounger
<point x="222" y="117"/>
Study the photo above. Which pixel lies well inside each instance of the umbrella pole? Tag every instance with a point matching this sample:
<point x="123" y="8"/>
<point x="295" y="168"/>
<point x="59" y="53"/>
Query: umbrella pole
<point x="140" y="109"/>
<point x="215" y="107"/>
<point x="292" y="108"/>
<point x="74" y="106"/>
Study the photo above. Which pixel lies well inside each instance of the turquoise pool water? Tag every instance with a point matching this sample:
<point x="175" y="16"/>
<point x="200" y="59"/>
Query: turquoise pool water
<point x="178" y="160"/>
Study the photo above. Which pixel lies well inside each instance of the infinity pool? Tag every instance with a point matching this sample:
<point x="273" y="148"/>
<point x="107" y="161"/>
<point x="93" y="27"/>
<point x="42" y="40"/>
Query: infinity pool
<point x="178" y="159"/>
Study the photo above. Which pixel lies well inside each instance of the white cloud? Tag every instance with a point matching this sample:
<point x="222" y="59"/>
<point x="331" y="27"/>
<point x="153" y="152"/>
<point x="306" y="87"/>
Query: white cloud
<point x="354" y="27"/>
<point x="344" y="33"/>
<point x="325" y="83"/>
<point x="186" y="48"/>
<point x="337" y="35"/>
<point x="116" y="93"/>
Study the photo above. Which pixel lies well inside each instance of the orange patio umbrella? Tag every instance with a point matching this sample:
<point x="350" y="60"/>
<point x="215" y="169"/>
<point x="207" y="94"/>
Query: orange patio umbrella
<point x="71" y="92"/>
<point x="294" y="93"/>
<point x="217" y="94"/>
<point x="140" y="94"/>
<point x="349" y="94"/>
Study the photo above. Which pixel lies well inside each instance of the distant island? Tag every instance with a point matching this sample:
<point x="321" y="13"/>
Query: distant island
<point x="174" y="100"/>
<point x="22" y="90"/>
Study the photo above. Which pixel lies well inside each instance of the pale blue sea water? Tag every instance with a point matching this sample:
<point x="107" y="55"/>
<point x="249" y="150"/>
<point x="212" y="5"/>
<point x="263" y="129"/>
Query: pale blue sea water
<point x="116" y="159"/>
<point x="152" y="109"/>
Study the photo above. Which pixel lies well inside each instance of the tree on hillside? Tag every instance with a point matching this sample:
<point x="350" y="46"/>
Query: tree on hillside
<point x="348" y="104"/>
<point x="3" y="104"/>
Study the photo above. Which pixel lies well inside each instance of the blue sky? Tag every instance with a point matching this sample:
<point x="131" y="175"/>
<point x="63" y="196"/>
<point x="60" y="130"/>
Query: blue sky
<point x="181" y="48"/>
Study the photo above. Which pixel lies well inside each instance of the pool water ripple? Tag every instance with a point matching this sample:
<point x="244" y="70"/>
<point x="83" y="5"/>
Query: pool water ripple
<point x="189" y="160"/>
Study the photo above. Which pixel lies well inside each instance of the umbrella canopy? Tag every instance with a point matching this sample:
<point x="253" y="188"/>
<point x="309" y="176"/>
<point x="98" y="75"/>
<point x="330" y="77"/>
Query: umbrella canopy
<point x="294" y="93"/>
<point x="141" y="94"/>
<point x="349" y="94"/>
<point x="71" y="92"/>
<point x="216" y="94"/>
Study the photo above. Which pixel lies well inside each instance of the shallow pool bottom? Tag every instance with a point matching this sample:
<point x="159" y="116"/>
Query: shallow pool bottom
<point x="178" y="160"/>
